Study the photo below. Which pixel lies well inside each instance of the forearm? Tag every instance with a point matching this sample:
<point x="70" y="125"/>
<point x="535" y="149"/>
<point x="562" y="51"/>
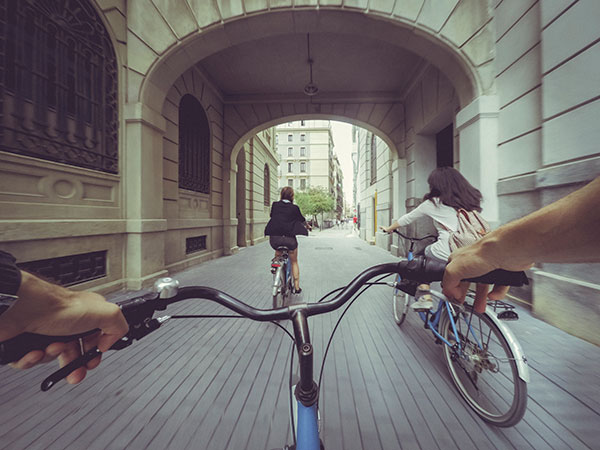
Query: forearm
<point x="564" y="231"/>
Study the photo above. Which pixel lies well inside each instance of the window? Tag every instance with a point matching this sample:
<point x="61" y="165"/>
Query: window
<point x="290" y="167"/>
<point x="302" y="167"/>
<point x="267" y="185"/>
<point x="58" y="78"/>
<point x="291" y="182"/>
<point x="303" y="184"/>
<point x="194" y="146"/>
<point x="302" y="151"/>
<point x="290" y="151"/>
<point x="302" y="123"/>
<point x="373" y="148"/>
<point x="302" y="137"/>
<point x="290" y="137"/>
<point x="277" y="139"/>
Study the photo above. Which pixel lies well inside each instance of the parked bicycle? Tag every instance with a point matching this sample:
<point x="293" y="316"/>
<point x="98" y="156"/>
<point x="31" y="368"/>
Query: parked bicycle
<point x="305" y="434"/>
<point x="281" y="269"/>
<point x="485" y="360"/>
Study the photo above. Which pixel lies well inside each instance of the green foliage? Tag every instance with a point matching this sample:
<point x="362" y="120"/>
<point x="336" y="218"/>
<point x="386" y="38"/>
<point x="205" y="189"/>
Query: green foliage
<point x="314" y="201"/>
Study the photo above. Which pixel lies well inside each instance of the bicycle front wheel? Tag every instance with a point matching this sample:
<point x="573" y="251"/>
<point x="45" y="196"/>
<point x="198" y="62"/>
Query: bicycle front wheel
<point x="400" y="303"/>
<point x="483" y="368"/>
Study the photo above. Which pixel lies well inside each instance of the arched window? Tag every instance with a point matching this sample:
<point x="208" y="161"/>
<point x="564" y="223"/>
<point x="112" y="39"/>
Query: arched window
<point x="194" y="146"/>
<point x="58" y="83"/>
<point x="267" y="185"/>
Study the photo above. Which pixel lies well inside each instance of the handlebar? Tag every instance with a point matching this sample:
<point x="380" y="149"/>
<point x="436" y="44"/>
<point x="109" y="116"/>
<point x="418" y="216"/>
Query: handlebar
<point x="429" y="236"/>
<point x="139" y="311"/>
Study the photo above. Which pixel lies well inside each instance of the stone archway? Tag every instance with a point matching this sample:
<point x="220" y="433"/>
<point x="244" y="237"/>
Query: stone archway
<point x="456" y="40"/>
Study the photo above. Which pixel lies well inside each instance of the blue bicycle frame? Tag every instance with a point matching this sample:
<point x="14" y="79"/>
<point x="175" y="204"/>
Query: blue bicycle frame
<point x="432" y="320"/>
<point x="307" y="391"/>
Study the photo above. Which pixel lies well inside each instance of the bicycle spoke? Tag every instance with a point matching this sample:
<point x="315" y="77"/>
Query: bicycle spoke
<point x="483" y="368"/>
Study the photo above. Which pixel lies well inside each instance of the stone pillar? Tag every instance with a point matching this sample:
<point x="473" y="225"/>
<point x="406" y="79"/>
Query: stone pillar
<point x="398" y="198"/>
<point x="477" y="125"/>
<point x="143" y="196"/>
<point x="230" y="221"/>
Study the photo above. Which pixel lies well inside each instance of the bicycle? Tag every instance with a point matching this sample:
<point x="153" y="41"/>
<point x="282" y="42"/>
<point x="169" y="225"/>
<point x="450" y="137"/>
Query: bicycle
<point x="400" y="299"/>
<point x="470" y="353"/>
<point x="139" y="314"/>
<point x="282" y="277"/>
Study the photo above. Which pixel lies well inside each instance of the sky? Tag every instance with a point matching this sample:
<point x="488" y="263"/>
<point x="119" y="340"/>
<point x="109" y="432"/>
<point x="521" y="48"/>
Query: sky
<point x="342" y="140"/>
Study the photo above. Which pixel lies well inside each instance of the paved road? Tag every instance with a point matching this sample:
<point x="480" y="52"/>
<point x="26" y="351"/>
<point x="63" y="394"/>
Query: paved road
<point x="222" y="383"/>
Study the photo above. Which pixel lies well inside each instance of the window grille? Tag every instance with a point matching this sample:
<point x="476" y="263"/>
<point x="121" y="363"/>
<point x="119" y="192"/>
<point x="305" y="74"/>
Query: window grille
<point x="373" y="147"/>
<point x="71" y="269"/>
<point x="195" y="244"/>
<point x="58" y="83"/>
<point x="267" y="185"/>
<point x="194" y="146"/>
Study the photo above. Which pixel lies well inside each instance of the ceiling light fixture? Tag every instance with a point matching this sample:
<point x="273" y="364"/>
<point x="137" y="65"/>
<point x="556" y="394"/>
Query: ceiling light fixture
<point x="311" y="88"/>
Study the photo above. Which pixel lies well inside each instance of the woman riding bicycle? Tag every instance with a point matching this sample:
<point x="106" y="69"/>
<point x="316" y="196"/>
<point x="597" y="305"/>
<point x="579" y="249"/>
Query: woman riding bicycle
<point x="449" y="191"/>
<point x="286" y="223"/>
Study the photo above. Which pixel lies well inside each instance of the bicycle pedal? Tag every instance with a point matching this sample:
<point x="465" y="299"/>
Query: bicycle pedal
<point x="508" y="315"/>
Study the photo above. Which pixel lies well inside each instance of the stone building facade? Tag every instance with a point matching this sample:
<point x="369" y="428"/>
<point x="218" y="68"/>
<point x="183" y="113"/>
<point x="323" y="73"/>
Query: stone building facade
<point x="93" y="91"/>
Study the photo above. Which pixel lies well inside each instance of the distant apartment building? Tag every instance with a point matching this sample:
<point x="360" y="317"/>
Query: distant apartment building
<point x="305" y="149"/>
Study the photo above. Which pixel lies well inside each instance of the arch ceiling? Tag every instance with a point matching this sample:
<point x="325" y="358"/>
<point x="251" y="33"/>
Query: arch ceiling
<point x="263" y="56"/>
<point x="364" y="61"/>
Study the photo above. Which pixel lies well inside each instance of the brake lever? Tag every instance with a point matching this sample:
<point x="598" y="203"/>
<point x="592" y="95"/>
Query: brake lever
<point x="65" y="371"/>
<point x="137" y="332"/>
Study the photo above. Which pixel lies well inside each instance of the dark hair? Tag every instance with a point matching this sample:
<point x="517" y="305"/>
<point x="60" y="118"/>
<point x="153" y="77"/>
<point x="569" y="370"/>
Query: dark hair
<point x="453" y="189"/>
<point x="287" y="193"/>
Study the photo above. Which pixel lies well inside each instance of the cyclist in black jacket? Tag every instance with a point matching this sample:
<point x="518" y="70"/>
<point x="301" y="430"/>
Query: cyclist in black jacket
<point x="286" y="223"/>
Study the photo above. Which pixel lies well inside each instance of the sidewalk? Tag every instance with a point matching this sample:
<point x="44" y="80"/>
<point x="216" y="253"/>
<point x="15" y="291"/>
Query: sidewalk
<point x="222" y="383"/>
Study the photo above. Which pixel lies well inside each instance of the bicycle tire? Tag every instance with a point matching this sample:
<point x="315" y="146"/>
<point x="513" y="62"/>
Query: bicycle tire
<point x="278" y="288"/>
<point x="400" y="301"/>
<point x="491" y="368"/>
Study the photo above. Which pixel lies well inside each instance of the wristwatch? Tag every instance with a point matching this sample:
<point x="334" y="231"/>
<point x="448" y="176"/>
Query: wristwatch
<point x="6" y="301"/>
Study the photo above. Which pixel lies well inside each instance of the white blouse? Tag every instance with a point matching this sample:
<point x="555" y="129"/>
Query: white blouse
<point x="444" y="219"/>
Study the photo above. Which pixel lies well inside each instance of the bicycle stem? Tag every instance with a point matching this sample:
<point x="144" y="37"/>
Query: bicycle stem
<point x="307" y="391"/>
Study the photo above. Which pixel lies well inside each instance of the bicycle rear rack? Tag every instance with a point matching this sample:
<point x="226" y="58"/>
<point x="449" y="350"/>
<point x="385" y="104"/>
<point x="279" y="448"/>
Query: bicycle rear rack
<point x="503" y="310"/>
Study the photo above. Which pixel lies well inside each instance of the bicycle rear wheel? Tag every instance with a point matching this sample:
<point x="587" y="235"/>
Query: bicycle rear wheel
<point x="400" y="303"/>
<point x="278" y="289"/>
<point x="484" y="369"/>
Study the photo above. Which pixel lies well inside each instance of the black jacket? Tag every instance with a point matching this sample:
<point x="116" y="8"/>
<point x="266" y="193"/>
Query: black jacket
<point x="286" y="220"/>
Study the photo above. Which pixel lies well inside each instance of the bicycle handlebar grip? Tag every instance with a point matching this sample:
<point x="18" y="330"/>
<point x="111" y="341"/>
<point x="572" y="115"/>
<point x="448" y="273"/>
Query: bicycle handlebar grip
<point x="15" y="348"/>
<point x="502" y="277"/>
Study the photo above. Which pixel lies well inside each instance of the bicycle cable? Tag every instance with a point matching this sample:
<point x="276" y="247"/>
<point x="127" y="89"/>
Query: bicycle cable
<point x="365" y="287"/>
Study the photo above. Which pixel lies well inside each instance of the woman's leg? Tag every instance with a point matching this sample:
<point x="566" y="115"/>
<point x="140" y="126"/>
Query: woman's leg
<point x="295" y="268"/>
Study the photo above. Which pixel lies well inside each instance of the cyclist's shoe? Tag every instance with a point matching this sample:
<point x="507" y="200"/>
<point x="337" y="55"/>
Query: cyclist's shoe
<point x="296" y="291"/>
<point x="422" y="304"/>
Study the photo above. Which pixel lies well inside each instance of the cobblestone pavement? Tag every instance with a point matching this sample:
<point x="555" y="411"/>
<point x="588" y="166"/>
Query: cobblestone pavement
<point x="222" y="383"/>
